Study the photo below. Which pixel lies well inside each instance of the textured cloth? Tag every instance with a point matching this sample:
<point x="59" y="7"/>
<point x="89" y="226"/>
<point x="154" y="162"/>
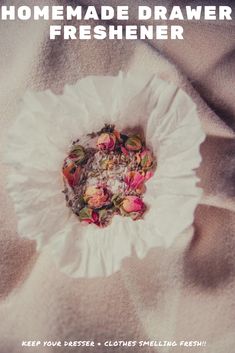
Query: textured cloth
<point x="185" y="292"/>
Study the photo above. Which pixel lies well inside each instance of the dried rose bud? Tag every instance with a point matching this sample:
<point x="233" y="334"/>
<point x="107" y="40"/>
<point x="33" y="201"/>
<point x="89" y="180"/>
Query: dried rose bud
<point x="77" y="153"/>
<point x="88" y="215"/>
<point x="133" y="143"/>
<point x="134" y="180"/>
<point x="71" y="172"/>
<point x="96" y="196"/>
<point x="146" y="159"/>
<point x="106" y="141"/>
<point x="132" y="206"/>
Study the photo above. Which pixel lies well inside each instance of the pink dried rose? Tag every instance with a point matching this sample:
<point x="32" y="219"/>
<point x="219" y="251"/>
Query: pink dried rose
<point x="133" y="143"/>
<point x="88" y="215"/>
<point x="134" y="180"/>
<point x="133" y="206"/>
<point x="96" y="196"/>
<point x="106" y="141"/>
<point x="71" y="172"/>
<point x="146" y="159"/>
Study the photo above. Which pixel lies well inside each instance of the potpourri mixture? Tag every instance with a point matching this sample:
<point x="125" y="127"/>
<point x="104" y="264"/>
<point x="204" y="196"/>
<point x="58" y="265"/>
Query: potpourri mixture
<point x="104" y="175"/>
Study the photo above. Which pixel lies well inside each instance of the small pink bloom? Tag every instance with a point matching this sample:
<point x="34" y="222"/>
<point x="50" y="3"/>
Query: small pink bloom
<point x="106" y="141"/>
<point x="134" y="180"/>
<point x="146" y="159"/>
<point x="133" y="204"/>
<point x="96" y="196"/>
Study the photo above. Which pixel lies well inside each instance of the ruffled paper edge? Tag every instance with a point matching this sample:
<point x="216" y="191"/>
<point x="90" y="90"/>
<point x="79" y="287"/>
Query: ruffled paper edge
<point x="88" y="246"/>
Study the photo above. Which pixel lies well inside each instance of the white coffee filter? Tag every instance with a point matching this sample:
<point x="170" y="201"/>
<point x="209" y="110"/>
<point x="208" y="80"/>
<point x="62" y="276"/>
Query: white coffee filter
<point x="38" y="143"/>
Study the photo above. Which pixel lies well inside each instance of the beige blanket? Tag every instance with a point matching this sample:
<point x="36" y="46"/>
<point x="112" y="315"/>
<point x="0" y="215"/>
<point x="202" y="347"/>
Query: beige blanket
<point x="184" y="293"/>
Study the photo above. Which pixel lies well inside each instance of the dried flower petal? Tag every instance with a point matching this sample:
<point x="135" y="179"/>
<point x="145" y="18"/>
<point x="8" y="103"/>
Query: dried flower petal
<point x="71" y="172"/>
<point x="148" y="175"/>
<point x="134" y="180"/>
<point x="124" y="151"/>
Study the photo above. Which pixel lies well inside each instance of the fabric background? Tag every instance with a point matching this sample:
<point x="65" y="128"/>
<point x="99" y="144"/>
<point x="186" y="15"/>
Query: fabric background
<point x="186" y="292"/>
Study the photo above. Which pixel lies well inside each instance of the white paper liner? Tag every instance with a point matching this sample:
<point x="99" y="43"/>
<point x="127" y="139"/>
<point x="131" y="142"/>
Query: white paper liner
<point x="38" y="143"/>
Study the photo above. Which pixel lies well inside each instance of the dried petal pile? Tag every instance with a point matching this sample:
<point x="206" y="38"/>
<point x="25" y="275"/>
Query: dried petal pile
<point x="105" y="174"/>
